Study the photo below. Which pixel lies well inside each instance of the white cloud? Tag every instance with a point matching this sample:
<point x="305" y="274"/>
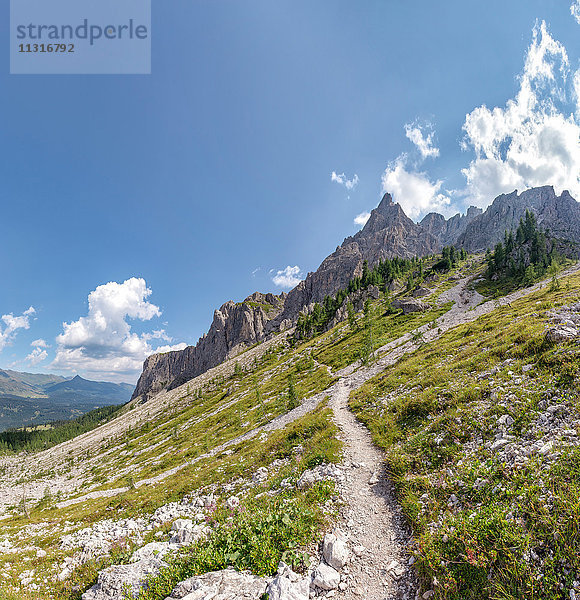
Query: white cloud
<point x="535" y="139"/>
<point x="414" y="131"/>
<point x="40" y="343"/>
<point x="575" y="10"/>
<point x="36" y="356"/>
<point x="342" y="179"/>
<point x="414" y="191"/>
<point x="13" y="324"/>
<point x="162" y="349"/>
<point x="288" y="277"/>
<point x="102" y="343"/>
<point x="362" y="218"/>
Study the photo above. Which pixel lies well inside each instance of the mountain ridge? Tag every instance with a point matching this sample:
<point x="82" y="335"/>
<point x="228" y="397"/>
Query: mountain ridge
<point x="35" y="398"/>
<point x="388" y="232"/>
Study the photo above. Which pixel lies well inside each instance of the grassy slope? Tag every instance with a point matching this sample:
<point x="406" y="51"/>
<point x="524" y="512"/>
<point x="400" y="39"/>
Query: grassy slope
<point x="432" y="394"/>
<point x="485" y="528"/>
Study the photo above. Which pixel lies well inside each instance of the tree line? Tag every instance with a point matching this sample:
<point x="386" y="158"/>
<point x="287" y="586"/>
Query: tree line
<point x="41" y="437"/>
<point x="525" y="254"/>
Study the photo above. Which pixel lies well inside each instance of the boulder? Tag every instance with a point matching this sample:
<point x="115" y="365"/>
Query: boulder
<point x="152" y="551"/>
<point x="123" y="581"/>
<point x="335" y="550"/>
<point x="561" y="333"/>
<point x="232" y="502"/>
<point x="420" y="292"/>
<point x="410" y="305"/>
<point x="288" y="585"/>
<point x="227" y="584"/>
<point x="325" y="577"/>
<point x="186" y="532"/>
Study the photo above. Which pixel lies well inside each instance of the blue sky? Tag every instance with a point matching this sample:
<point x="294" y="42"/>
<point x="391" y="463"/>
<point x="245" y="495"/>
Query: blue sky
<point x="133" y="206"/>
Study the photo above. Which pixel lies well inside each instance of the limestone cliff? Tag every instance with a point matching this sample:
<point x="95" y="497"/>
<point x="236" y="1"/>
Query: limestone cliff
<point x="235" y="327"/>
<point x="388" y="232"/>
<point x="447" y="231"/>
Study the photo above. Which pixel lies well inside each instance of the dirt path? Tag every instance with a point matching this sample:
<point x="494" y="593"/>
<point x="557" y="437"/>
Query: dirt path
<point x="372" y="517"/>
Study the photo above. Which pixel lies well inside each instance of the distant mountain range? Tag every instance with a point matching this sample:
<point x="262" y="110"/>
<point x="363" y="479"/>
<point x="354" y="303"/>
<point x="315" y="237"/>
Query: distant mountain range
<point x="389" y="232"/>
<point x="31" y="398"/>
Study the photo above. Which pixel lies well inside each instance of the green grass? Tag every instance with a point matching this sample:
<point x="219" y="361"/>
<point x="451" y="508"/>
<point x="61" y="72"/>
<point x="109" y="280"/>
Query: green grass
<point x="501" y="540"/>
<point x="338" y="351"/>
<point x="255" y="536"/>
<point x="429" y="412"/>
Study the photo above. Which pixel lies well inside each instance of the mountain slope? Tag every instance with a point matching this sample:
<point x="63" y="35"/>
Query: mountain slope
<point x="26" y="385"/>
<point x="86" y="389"/>
<point x="35" y="398"/>
<point x="228" y="457"/>
<point x="387" y="233"/>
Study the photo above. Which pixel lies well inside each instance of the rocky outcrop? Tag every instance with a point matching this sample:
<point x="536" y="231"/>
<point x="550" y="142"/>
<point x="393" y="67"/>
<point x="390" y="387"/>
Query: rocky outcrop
<point x="566" y="324"/>
<point x="447" y="231"/>
<point x="559" y="215"/>
<point x="227" y="584"/>
<point x="122" y="581"/>
<point x="235" y="327"/>
<point x="409" y="305"/>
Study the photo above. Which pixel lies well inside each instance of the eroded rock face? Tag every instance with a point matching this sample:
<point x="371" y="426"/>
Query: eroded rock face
<point x="447" y="231"/>
<point x="387" y="233"/>
<point x="559" y="214"/>
<point x="235" y="327"/>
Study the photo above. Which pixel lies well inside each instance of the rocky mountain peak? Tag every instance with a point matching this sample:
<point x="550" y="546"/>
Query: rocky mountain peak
<point x="388" y="232"/>
<point x="388" y="214"/>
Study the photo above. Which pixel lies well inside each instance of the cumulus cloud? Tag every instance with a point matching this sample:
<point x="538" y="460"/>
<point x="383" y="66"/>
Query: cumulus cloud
<point x="424" y="143"/>
<point x="414" y="190"/>
<point x="102" y="343"/>
<point x="342" y="179"/>
<point x="40" y="343"/>
<point x="535" y="138"/>
<point x="36" y="356"/>
<point x="13" y="324"/>
<point x="362" y="218"/>
<point x="288" y="277"/>
<point x="173" y="348"/>
<point x="575" y="10"/>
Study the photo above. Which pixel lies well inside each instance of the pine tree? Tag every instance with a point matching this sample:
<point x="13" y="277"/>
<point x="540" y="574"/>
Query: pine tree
<point x="351" y="317"/>
<point x="293" y="401"/>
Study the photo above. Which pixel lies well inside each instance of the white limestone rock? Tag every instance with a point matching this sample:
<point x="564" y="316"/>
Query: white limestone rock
<point x="335" y="550"/>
